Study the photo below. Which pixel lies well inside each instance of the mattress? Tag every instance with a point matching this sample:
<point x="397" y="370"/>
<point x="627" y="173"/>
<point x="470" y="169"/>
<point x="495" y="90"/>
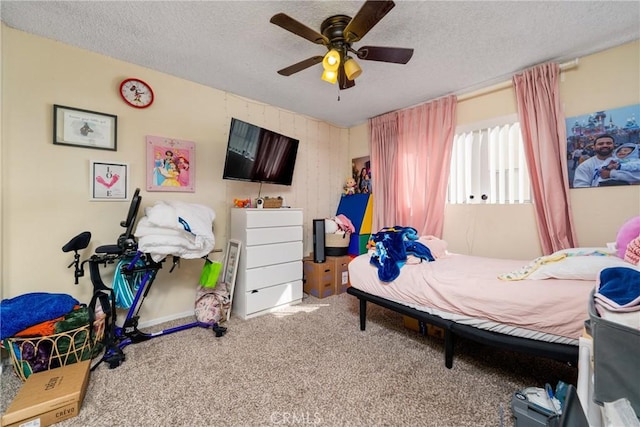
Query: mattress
<point x="466" y="289"/>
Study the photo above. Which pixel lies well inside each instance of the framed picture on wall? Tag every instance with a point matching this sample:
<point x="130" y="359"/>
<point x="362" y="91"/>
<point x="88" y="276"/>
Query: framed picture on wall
<point x="603" y="148"/>
<point x="361" y="172"/>
<point x="84" y="128"/>
<point x="108" y="181"/>
<point x="171" y="164"/>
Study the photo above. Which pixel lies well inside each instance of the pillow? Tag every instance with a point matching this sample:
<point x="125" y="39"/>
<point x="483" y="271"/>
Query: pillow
<point x="577" y="268"/>
<point x="573" y="263"/>
<point x="587" y="251"/>
<point x="629" y="231"/>
<point x="437" y="247"/>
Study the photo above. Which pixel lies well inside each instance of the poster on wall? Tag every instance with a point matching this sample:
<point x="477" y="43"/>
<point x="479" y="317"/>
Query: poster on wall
<point x="361" y="174"/>
<point x="603" y="148"/>
<point x="108" y="181"/>
<point x="170" y="164"/>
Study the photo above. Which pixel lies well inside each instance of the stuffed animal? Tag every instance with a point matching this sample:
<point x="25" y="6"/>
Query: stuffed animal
<point x="242" y="203"/>
<point x="627" y="232"/>
<point x="350" y="187"/>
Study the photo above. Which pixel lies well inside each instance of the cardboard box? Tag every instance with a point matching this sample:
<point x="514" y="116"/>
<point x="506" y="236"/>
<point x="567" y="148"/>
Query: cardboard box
<point x="318" y="278"/>
<point x="341" y="272"/>
<point x="49" y="397"/>
<point x="422" y="327"/>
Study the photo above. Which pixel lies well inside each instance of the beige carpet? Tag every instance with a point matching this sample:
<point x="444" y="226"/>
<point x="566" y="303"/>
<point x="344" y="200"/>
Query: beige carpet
<point x="307" y="365"/>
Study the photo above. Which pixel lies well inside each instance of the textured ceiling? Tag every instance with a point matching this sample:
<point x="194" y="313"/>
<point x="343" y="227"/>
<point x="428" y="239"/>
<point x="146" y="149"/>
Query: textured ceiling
<point x="230" y="45"/>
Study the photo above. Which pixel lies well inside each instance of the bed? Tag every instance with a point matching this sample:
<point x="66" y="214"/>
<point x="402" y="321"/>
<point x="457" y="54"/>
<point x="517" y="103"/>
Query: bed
<point x="538" y="307"/>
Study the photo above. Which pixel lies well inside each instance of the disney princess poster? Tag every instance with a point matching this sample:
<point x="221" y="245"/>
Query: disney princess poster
<point x="171" y="164"/>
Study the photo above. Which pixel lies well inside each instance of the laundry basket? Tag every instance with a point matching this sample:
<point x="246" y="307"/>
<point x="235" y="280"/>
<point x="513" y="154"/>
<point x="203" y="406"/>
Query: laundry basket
<point x="36" y="354"/>
<point x="337" y="244"/>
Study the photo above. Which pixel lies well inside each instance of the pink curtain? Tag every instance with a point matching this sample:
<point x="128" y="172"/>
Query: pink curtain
<point x="414" y="160"/>
<point x="383" y="131"/>
<point x="545" y="143"/>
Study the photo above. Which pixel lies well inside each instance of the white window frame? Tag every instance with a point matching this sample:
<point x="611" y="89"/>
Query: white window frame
<point x="479" y="148"/>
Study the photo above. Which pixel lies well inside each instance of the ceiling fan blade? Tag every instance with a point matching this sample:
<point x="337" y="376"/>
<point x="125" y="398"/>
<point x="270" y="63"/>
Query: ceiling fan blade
<point x="302" y="65"/>
<point x="397" y="55"/>
<point x="298" y="29"/>
<point x="367" y="17"/>
<point x="343" y="81"/>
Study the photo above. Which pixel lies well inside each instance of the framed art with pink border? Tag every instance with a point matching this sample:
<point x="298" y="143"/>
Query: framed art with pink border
<point x="171" y="164"/>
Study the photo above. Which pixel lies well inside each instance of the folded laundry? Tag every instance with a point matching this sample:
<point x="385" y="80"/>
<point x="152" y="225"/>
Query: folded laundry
<point x="632" y="254"/>
<point x="19" y="313"/>
<point x="630" y="319"/>
<point x="176" y="228"/>
<point x="619" y="288"/>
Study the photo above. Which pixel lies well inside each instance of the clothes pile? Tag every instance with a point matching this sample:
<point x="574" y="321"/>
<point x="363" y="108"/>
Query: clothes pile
<point x="176" y="228"/>
<point x="29" y="328"/>
<point x="393" y="245"/>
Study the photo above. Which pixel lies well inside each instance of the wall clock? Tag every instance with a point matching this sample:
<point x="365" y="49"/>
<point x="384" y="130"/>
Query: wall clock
<point x="136" y="93"/>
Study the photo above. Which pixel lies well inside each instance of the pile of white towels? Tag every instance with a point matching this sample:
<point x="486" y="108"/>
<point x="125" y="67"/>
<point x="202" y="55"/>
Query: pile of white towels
<point x="176" y="228"/>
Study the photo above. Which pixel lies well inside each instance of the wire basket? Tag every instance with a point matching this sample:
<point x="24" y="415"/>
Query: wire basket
<point x="36" y="354"/>
<point x="273" y="202"/>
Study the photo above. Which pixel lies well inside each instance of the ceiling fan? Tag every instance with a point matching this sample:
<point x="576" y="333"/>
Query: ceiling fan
<point x="337" y="34"/>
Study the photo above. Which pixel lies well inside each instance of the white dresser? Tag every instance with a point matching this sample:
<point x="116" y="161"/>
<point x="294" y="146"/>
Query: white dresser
<point x="270" y="266"/>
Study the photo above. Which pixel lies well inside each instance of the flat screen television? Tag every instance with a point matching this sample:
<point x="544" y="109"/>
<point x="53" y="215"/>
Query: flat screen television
<point x="259" y="155"/>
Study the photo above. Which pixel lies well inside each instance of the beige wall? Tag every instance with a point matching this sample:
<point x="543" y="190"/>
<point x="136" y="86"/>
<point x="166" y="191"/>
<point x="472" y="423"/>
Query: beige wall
<point x="45" y="187"/>
<point x="605" y="80"/>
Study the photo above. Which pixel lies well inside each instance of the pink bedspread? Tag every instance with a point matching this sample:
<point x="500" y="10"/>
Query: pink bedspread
<point x="468" y="286"/>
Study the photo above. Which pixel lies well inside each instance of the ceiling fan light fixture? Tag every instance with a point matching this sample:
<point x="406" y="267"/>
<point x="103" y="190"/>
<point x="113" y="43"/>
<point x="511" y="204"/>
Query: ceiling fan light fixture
<point x="331" y="60"/>
<point x="330" y="76"/>
<point x="352" y="68"/>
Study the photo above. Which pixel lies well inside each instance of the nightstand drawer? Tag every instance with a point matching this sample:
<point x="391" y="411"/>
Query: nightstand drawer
<point x="263" y="277"/>
<point x="273" y="218"/>
<point x="273" y="296"/>
<point x="260" y="256"/>
<point x="265" y="236"/>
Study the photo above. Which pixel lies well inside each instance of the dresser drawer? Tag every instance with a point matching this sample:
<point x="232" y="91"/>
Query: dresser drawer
<point x="273" y="218"/>
<point x="273" y="296"/>
<point x="263" y="277"/>
<point x="265" y="236"/>
<point x="260" y="256"/>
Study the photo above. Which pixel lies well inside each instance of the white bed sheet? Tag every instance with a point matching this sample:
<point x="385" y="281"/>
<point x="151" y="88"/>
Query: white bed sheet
<point x="466" y="289"/>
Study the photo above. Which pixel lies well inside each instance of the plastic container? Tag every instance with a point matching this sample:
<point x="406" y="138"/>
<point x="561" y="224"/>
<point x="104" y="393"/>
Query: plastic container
<point x="616" y="359"/>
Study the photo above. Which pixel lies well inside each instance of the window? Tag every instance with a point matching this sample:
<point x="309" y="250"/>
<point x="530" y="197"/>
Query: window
<point x="488" y="166"/>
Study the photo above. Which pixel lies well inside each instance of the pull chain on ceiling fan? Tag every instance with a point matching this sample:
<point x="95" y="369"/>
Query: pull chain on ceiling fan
<point x="337" y="34"/>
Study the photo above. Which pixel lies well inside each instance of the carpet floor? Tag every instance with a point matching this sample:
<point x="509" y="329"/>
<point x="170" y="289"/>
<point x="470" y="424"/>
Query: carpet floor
<point x="308" y="364"/>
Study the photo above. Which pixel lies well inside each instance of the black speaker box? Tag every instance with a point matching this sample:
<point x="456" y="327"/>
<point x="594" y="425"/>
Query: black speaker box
<point x="318" y="241"/>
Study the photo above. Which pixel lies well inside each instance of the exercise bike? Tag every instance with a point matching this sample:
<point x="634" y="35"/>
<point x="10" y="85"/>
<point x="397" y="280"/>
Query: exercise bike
<point x="137" y="267"/>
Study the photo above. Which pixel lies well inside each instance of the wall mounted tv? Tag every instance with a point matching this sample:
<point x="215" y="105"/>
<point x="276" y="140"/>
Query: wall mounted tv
<point x="259" y="155"/>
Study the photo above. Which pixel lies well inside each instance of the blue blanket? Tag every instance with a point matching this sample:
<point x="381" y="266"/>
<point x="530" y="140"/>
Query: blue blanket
<point x="30" y="309"/>
<point x="620" y="286"/>
<point x="393" y="245"/>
